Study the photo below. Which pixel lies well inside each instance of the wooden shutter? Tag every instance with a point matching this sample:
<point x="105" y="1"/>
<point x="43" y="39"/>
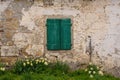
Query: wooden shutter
<point x="53" y="34"/>
<point x="65" y="34"/>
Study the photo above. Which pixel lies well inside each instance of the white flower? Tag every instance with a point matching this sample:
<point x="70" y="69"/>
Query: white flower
<point x="2" y="69"/>
<point x="46" y="63"/>
<point x="86" y="70"/>
<point x="97" y="67"/>
<point x="24" y="64"/>
<point x="91" y="68"/>
<point x="31" y="64"/>
<point x="28" y="62"/>
<point x="43" y="60"/>
<point x="89" y="72"/>
<point x="94" y="72"/>
<point x="101" y="73"/>
<point x="91" y="76"/>
<point x="37" y="60"/>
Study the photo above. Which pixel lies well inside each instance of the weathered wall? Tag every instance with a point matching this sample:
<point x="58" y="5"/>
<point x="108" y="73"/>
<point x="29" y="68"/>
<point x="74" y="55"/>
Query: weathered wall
<point x="23" y="30"/>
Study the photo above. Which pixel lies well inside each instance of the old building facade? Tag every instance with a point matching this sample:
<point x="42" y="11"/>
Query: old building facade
<point x="95" y="28"/>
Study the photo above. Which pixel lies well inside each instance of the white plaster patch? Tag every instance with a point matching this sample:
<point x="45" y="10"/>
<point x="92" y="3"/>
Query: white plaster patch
<point x="27" y="20"/>
<point x="111" y="41"/>
<point x="59" y="11"/>
<point x="4" y="5"/>
<point x="29" y="16"/>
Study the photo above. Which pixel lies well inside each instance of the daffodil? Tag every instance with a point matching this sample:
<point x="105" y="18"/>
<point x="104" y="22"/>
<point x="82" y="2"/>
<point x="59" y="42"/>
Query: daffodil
<point x="97" y="67"/>
<point x="24" y="64"/>
<point x="101" y="73"/>
<point x="91" y="76"/>
<point x="37" y="60"/>
<point x="94" y="72"/>
<point x="86" y="70"/>
<point x="91" y="68"/>
<point x="43" y="60"/>
<point x="3" y="69"/>
<point x="28" y="62"/>
<point x="31" y="64"/>
<point x="46" y="63"/>
<point x="89" y="72"/>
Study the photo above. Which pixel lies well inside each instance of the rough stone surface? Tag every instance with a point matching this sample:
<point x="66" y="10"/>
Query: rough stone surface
<point x="23" y="30"/>
<point x="9" y="60"/>
<point x="9" y="51"/>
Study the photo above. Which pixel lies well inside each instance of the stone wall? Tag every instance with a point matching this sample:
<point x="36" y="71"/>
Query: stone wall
<point x="23" y="30"/>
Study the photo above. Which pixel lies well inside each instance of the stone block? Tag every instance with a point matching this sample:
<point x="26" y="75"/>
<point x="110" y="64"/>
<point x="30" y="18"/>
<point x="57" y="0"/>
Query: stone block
<point x="22" y="39"/>
<point x="9" y="60"/>
<point x="9" y="51"/>
<point x="38" y="38"/>
<point x="8" y="34"/>
<point x="11" y="24"/>
<point x="8" y="13"/>
<point x="35" y="50"/>
<point x="1" y="25"/>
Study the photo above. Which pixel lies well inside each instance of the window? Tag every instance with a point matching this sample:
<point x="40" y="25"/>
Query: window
<point x="58" y="34"/>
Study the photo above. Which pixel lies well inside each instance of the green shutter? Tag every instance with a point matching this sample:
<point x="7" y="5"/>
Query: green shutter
<point x="53" y="34"/>
<point x="65" y="34"/>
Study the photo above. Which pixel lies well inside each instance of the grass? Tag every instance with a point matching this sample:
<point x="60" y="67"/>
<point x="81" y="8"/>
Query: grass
<point x="76" y="75"/>
<point x="42" y="70"/>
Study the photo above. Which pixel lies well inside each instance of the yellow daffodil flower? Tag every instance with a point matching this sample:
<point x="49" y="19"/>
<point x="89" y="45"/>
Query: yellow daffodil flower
<point x="86" y="70"/>
<point x="94" y="72"/>
<point x="28" y="62"/>
<point x="91" y="76"/>
<point x="46" y="63"/>
<point x="3" y="69"/>
<point x="101" y="73"/>
<point x="31" y="64"/>
<point x="89" y="72"/>
<point x="24" y="64"/>
<point x="91" y="68"/>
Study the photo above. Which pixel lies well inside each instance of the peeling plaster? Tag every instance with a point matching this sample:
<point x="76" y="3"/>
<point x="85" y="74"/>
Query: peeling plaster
<point x="3" y="6"/>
